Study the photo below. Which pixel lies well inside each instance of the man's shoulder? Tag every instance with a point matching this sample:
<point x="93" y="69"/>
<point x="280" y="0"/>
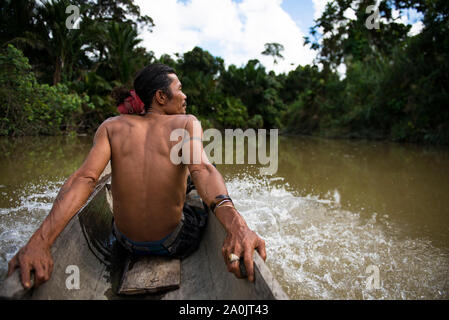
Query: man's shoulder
<point x="173" y="121"/>
<point x="181" y="120"/>
<point x="114" y="121"/>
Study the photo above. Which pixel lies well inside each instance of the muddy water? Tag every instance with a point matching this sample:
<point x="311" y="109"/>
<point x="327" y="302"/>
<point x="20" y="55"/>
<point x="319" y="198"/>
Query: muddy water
<point x="342" y="219"/>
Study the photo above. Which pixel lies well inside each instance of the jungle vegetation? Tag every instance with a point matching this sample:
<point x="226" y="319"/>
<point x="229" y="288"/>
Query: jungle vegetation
<point x="55" y="80"/>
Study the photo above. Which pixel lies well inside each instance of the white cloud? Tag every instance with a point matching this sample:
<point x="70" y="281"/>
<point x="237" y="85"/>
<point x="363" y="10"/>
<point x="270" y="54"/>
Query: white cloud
<point x="235" y="31"/>
<point x="416" y="28"/>
<point x="350" y="14"/>
<point x="410" y="17"/>
<point x="319" y="6"/>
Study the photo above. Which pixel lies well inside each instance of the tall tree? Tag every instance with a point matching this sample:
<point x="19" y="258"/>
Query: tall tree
<point x="124" y="11"/>
<point x="16" y="18"/>
<point x="274" y="50"/>
<point x="120" y="41"/>
<point x="339" y="39"/>
<point x="63" y="45"/>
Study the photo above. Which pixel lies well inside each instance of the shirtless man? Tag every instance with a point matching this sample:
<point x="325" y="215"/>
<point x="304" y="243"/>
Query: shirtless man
<point x="148" y="189"/>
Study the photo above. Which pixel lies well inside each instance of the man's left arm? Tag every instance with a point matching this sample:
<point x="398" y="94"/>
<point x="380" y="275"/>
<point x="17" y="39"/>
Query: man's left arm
<point x="35" y="255"/>
<point x="240" y="239"/>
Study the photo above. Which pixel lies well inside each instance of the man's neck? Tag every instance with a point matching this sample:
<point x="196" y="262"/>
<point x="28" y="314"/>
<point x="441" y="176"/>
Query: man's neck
<point x="155" y="110"/>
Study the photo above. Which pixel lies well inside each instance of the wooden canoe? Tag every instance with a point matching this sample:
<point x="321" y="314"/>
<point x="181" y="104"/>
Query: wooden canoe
<point x="88" y="244"/>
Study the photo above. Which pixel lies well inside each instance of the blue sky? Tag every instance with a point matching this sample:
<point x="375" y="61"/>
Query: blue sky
<point x="301" y="11"/>
<point x="235" y="30"/>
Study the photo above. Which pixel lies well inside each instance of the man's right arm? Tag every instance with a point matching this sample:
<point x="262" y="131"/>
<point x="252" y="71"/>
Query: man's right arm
<point x="72" y="196"/>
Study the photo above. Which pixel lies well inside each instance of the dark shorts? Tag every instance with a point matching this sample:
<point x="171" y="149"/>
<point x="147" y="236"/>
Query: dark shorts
<point x="183" y="241"/>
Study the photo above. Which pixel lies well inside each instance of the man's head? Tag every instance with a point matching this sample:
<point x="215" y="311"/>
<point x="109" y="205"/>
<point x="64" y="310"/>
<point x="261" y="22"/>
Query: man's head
<point x="158" y="86"/>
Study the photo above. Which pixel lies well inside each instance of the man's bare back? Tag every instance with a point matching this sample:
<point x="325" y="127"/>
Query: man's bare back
<point x="148" y="189"/>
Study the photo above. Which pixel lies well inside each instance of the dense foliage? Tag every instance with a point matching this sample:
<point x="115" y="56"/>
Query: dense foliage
<point x="30" y="108"/>
<point x="395" y="85"/>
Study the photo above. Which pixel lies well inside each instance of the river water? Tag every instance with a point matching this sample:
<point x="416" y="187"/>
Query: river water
<point x="341" y="219"/>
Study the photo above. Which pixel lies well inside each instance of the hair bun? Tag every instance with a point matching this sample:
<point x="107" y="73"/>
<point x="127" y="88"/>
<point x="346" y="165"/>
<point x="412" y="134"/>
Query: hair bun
<point x="132" y="104"/>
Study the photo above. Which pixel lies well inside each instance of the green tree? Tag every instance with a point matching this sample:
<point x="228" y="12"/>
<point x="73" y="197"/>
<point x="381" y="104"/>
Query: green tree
<point x="120" y="43"/>
<point x="274" y="50"/>
<point x="28" y="107"/>
<point x="123" y="11"/>
<point x="50" y="34"/>
<point x="199" y="72"/>
<point x="16" y="18"/>
<point x="339" y="39"/>
<point x="396" y="85"/>
<point x="258" y="91"/>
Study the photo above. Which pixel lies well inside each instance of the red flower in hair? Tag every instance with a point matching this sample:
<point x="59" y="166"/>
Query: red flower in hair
<point x="132" y="105"/>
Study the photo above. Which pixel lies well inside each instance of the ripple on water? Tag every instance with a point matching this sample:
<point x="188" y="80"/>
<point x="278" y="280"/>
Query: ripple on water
<point x="319" y="251"/>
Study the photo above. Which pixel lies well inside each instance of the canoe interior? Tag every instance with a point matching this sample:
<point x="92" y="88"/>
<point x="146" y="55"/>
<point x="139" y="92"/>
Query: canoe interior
<point x="88" y="244"/>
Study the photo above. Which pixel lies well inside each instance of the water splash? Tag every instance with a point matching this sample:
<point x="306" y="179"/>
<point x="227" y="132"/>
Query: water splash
<point x="28" y="206"/>
<point x="315" y="249"/>
<point x="319" y="251"/>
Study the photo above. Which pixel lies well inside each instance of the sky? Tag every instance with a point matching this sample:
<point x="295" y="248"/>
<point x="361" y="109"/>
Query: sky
<point x="235" y="30"/>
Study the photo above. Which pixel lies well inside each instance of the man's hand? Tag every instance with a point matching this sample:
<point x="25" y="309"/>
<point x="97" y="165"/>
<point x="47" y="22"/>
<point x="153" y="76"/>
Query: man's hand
<point x="242" y="241"/>
<point x="32" y="257"/>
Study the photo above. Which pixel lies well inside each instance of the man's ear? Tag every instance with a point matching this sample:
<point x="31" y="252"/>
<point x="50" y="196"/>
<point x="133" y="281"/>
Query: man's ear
<point x="160" y="97"/>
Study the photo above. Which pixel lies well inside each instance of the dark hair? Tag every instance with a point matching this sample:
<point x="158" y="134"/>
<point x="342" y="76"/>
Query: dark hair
<point x="119" y="94"/>
<point x="150" y="79"/>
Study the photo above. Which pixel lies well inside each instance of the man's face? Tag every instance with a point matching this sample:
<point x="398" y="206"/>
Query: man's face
<point x="177" y="104"/>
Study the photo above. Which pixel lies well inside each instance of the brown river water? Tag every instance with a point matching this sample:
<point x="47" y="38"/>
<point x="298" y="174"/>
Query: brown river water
<point x="341" y="219"/>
